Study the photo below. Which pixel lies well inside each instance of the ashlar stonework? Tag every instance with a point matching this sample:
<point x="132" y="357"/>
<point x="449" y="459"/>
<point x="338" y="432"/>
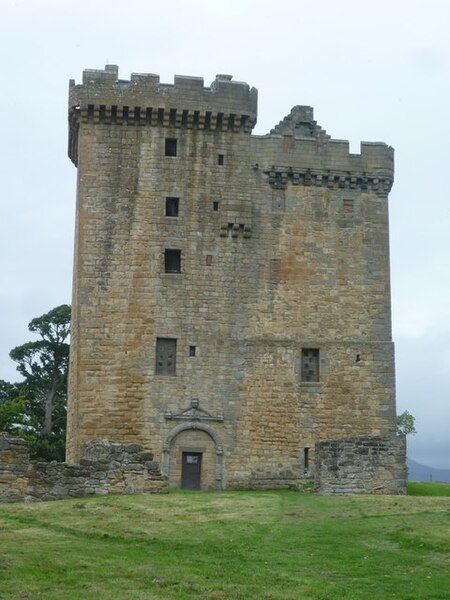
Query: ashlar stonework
<point x="231" y="294"/>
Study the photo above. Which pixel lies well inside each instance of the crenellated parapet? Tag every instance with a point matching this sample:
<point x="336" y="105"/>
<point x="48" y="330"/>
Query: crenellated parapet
<point x="226" y="105"/>
<point x="299" y="151"/>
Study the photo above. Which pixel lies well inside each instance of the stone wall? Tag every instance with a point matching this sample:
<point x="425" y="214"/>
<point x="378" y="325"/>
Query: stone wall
<point x="105" y="468"/>
<point x="284" y="246"/>
<point x="361" y="465"/>
<point x="14" y="466"/>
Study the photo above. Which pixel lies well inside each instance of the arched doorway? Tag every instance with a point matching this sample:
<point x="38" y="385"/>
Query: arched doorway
<point x="193" y="457"/>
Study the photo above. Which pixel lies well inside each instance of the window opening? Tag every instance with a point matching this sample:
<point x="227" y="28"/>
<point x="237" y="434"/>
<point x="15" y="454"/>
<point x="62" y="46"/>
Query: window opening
<point x="171" y="147"/>
<point x="220" y="159"/>
<point x="310" y="364"/>
<point x="172" y="260"/>
<point x="215" y="205"/>
<point x="348" y="206"/>
<point x="172" y="205"/>
<point x="166" y="352"/>
<point x="209" y="259"/>
<point x="306" y="459"/>
<point x="192" y="350"/>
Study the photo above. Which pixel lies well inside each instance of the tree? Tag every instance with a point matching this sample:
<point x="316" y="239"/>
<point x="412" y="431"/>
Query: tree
<point x="11" y="407"/>
<point x="43" y="364"/>
<point x="406" y="424"/>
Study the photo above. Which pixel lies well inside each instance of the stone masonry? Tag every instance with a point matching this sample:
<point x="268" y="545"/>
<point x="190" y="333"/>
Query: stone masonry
<point x="362" y="465"/>
<point x="104" y="468"/>
<point x="231" y="294"/>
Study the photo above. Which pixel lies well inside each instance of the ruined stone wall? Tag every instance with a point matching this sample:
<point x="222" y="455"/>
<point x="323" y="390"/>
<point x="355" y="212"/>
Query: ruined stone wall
<point x="14" y="465"/>
<point x="105" y="468"/>
<point x="361" y="465"/>
<point x="284" y="246"/>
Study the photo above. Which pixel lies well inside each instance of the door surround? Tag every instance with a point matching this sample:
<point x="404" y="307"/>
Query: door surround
<point x="165" y="455"/>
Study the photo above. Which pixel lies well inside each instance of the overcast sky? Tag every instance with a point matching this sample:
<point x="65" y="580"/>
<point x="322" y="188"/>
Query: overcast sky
<point x="373" y="71"/>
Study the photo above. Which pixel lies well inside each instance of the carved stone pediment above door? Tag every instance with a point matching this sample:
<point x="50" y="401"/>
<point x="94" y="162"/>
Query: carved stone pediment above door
<point x="193" y="413"/>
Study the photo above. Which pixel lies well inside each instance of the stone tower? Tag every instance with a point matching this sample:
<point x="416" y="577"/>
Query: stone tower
<point x="231" y="298"/>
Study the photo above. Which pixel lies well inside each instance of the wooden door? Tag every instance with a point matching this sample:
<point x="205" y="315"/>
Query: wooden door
<point x="191" y="467"/>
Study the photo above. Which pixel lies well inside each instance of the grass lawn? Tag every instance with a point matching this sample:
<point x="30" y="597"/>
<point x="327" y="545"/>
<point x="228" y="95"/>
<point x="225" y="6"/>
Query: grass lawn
<point x="230" y="545"/>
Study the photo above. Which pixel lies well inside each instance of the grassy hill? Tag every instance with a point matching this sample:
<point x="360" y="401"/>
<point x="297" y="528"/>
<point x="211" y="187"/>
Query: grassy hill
<point x="230" y="545"/>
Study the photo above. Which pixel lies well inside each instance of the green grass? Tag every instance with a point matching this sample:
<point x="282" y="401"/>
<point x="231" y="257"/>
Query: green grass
<point x="230" y="545"/>
<point x="417" y="488"/>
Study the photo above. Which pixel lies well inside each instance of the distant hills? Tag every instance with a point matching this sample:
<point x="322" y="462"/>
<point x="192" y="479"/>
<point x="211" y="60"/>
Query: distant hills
<point x="419" y="472"/>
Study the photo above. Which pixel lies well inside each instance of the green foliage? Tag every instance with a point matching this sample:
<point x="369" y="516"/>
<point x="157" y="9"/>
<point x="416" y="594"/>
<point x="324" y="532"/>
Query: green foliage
<point x="406" y="424"/>
<point x="36" y="407"/>
<point x="47" y="447"/>
<point x="11" y="407"/>
<point x="229" y="546"/>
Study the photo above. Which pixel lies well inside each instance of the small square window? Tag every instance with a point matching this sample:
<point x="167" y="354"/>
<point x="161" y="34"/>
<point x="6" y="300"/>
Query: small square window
<point x="172" y="205"/>
<point x="310" y="364"/>
<point x="220" y="159"/>
<point x="171" y="146"/>
<point x="215" y="205"/>
<point x="172" y="260"/>
<point x="192" y="350"/>
<point x="348" y="206"/>
<point x="166" y="354"/>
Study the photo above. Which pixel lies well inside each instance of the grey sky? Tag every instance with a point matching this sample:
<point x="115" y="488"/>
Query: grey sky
<point x="374" y="71"/>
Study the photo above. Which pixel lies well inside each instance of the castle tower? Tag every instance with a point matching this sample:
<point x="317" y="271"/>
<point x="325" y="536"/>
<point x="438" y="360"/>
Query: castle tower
<point x="231" y="300"/>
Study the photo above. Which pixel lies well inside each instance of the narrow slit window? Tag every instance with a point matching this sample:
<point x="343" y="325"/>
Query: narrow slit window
<point x="306" y="458"/>
<point x="220" y="159"/>
<point x="166" y="355"/>
<point x="215" y="205"/>
<point x="172" y="260"/>
<point x="172" y="206"/>
<point x="310" y="364"/>
<point x="171" y="146"/>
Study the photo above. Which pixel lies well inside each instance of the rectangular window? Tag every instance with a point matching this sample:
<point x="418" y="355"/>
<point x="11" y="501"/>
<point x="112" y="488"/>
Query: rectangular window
<point x="220" y="159"/>
<point x="172" y="205"/>
<point x="192" y="350"/>
<point x="310" y="364"/>
<point x="215" y="205"/>
<point x="306" y="458"/>
<point x="348" y="206"/>
<point x="166" y="354"/>
<point x="172" y="260"/>
<point x="209" y="260"/>
<point x="171" y="147"/>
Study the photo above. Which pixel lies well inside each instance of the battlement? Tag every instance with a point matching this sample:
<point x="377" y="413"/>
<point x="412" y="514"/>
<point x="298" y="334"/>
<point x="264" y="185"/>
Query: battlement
<point x="103" y="97"/>
<point x="300" y="151"/>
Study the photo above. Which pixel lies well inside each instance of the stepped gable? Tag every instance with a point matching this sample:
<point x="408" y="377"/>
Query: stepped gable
<point x="300" y="123"/>
<point x="299" y="151"/>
